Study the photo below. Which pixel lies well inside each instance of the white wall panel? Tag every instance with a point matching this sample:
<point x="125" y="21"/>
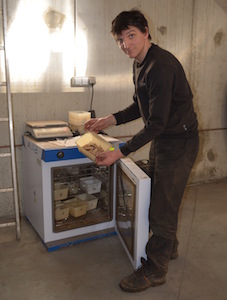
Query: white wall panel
<point x="193" y="30"/>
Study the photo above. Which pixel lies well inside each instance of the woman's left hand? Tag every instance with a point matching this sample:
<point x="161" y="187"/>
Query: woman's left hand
<point x="108" y="158"/>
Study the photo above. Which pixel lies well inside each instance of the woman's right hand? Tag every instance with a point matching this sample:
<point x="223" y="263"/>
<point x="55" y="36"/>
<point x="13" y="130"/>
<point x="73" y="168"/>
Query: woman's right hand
<point x="98" y="124"/>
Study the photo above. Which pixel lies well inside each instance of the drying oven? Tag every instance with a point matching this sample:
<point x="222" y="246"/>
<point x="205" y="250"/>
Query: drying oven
<point x="69" y="199"/>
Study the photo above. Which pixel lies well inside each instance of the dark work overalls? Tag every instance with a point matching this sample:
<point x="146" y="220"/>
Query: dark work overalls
<point x="170" y="163"/>
<point x="163" y="99"/>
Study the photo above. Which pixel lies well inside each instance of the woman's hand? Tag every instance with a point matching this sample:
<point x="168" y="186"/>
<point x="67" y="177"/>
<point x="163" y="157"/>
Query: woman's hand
<point x="108" y="158"/>
<point x="98" y="124"/>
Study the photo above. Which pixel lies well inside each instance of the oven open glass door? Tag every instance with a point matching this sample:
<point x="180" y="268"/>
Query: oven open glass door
<point x="133" y="188"/>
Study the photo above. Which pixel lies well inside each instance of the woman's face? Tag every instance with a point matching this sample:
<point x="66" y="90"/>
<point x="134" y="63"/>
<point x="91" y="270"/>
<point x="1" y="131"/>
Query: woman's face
<point x="134" y="43"/>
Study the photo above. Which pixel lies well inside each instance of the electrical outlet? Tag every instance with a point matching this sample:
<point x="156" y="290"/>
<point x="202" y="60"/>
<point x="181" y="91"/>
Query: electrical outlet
<point x="82" y="81"/>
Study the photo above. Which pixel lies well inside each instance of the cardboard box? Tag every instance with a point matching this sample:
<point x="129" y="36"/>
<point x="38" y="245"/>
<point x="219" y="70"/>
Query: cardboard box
<point x="91" y="137"/>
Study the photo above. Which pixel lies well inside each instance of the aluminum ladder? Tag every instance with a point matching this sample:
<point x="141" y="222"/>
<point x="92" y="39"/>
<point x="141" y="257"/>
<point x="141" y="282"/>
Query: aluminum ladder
<point x="15" y="221"/>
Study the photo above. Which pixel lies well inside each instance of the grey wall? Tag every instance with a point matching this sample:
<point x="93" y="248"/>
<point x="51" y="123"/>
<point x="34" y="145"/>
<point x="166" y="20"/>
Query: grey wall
<point x="195" y="31"/>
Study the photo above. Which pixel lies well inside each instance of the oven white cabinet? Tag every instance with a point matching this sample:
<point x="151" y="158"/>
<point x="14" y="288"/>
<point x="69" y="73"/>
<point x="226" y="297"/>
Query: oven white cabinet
<point x="68" y="199"/>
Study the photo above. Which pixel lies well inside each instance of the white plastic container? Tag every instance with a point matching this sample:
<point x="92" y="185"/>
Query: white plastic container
<point x="61" y="194"/>
<point x="90" y="200"/>
<point x="77" y="119"/>
<point x="78" y="209"/>
<point x="90" y="185"/>
<point x="61" y="213"/>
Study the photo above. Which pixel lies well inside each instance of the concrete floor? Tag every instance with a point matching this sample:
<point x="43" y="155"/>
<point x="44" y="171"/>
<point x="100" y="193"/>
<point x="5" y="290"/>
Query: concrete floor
<point x="92" y="270"/>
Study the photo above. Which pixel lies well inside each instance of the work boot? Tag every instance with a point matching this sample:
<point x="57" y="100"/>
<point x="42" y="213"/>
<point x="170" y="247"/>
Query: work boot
<point x="144" y="277"/>
<point x="174" y="254"/>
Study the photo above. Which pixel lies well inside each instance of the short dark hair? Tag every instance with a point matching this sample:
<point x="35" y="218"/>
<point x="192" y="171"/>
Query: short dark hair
<point x="133" y="17"/>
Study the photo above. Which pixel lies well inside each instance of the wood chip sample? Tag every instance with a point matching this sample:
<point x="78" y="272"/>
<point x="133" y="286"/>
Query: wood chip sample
<point x="93" y="148"/>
